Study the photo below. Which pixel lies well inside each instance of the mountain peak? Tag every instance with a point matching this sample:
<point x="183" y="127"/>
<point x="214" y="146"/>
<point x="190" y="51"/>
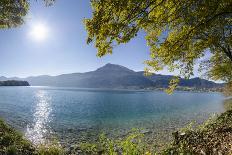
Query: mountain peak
<point x="113" y="76"/>
<point x="113" y="67"/>
<point x="3" y="78"/>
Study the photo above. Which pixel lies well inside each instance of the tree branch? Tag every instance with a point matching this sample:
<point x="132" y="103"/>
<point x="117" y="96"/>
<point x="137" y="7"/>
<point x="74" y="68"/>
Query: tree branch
<point x="198" y="25"/>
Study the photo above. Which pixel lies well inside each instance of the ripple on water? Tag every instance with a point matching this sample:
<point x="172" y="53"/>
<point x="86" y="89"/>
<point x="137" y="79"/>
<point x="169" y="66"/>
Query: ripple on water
<point x="39" y="130"/>
<point x="74" y="115"/>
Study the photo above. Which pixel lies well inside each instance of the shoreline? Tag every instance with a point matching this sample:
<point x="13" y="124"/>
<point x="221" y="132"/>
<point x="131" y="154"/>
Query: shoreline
<point x="178" y="89"/>
<point x="181" y="142"/>
<point x="152" y="136"/>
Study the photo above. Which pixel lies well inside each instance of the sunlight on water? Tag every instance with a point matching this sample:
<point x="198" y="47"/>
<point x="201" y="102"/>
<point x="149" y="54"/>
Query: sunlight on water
<point x="73" y="115"/>
<point x="39" y="129"/>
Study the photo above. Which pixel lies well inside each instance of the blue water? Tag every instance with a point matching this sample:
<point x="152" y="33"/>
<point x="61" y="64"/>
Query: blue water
<point x="73" y="114"/>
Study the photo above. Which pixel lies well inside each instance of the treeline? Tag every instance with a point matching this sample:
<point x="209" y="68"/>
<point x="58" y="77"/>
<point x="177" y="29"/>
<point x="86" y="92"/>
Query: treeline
<point x="14" y="83"/>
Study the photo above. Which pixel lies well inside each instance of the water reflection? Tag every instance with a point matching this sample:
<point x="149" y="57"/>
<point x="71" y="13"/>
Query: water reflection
<point x="40" y="129"/>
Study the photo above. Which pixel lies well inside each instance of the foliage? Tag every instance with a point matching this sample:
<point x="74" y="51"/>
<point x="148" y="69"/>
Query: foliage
<point x="13" y="12"/>
<point x="12" y="142"/>
<point x="227" y="104"/>
<point x="179" y="33"/>
<point x="50" y="150"/>
<point x="173" y="84"/>
<point x="131" y="145"/>
<point x="228" y="89"/>
<point x="214" y="137"/>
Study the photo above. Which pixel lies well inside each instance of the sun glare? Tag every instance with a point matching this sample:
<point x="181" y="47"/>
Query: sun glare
<point x="39" y="32"/>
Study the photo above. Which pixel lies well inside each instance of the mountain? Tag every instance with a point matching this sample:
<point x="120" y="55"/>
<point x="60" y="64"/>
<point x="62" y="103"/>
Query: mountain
<point x="108" y="76"/>
<point x="162" y="81"/>
<point x="113" y="76"/>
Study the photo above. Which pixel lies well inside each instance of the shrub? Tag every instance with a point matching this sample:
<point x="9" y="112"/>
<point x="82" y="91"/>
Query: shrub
<point x="50" y="150"/>
<point x="132" y="144"/>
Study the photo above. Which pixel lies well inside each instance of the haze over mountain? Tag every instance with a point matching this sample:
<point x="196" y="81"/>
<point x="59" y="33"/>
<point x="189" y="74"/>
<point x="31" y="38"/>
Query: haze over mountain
<point x="112" y="76"/>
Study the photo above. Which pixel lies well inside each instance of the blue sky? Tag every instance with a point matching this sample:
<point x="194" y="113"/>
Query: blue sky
<point x="65" y="49"/>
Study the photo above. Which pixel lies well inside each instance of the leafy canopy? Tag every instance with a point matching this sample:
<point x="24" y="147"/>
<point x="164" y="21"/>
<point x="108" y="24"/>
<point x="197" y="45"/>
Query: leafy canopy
<point x="178" y="32"/>
<point x="13" y="12"/>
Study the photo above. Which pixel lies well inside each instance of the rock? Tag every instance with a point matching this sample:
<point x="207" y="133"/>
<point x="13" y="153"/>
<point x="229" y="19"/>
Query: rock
<point x="182" y="134"/>
<point x="72" y="147"/>
<point x="81" y="129"/>
<point x="202" y="152"/>
<point x="133" y="140"/>
<point x="145" y="131"/>
<point x="70" y="130"/>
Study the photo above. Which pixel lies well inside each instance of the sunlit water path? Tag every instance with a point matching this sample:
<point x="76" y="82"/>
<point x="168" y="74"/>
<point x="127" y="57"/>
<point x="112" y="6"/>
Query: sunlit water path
<point x="74" y="115"/>
<point x="39" y="129"/>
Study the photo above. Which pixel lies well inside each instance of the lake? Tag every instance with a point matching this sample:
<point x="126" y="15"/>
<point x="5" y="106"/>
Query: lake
<point x="73" y="115"/>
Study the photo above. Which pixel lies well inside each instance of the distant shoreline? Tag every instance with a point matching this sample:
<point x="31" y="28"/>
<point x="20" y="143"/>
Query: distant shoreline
<point x="14" y="83"/>
<point x="178" y="89"/>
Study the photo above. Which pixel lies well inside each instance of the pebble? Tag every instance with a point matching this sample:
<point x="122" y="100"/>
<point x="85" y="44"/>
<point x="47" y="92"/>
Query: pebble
<point x="182" y="134"/>
<point x="145" y="131"/>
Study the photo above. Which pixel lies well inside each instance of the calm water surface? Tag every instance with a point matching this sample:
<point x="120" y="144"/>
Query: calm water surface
<point x="73" y="114"/>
